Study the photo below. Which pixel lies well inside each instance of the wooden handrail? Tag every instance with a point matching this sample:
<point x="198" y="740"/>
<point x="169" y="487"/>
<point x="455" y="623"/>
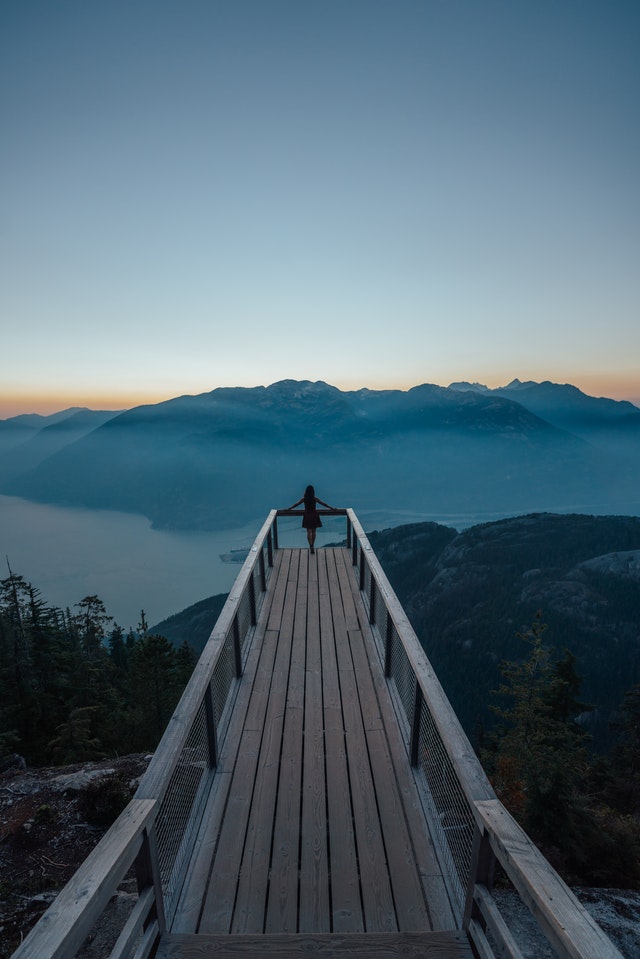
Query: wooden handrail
<point x="158" y="774"/>
<point x="570" y="929"/>
<point x="64" y="927"/>
<point x="471" y="775"/>
<point x="322" y="512"/>
<point x="565" y="922"/>
<point x="68" y="921"/>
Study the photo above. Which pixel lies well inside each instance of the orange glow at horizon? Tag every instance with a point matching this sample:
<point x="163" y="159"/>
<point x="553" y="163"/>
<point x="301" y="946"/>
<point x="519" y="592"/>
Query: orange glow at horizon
<point x="16" y="403"/>
<point x="44" y="404"/>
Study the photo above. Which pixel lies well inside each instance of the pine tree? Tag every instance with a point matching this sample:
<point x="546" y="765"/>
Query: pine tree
<point x="539" y="766"/>
<point x="625" y="760"/>
<point x="154" y="689"/>
<point x="74" y="742"/>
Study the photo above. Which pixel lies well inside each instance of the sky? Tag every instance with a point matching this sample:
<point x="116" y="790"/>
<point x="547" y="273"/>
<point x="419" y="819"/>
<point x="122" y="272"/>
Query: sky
<point x="380" y="193"/>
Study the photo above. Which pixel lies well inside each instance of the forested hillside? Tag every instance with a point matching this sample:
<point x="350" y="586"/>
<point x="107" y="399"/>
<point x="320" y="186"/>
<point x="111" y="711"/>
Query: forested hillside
<point x="74" y="687"/>
<point x="533" y="627"/>
<point x="193" y="624"/>
<point x="468" y="594"/>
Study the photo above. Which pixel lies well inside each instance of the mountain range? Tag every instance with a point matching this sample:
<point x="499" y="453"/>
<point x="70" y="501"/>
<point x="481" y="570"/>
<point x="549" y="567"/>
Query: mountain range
<point x="222" y="459"/>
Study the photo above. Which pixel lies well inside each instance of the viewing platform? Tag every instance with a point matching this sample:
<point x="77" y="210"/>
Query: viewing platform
<point x="314" y="794"/>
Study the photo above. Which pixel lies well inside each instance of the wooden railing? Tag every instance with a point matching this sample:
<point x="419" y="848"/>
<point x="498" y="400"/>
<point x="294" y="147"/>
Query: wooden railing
<point x="471" y="829"/>
<point x="156" y="833"/>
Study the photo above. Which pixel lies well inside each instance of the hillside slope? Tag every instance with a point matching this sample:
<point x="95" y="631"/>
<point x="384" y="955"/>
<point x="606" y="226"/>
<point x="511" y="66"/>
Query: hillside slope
<point x="469" y="594"/>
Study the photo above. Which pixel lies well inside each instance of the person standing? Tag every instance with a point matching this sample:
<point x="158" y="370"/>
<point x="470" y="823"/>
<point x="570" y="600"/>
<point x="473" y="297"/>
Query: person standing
<point x="311" y="519"/>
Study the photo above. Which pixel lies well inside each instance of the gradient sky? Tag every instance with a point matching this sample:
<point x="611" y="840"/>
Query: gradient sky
<point x="199" y="193"/>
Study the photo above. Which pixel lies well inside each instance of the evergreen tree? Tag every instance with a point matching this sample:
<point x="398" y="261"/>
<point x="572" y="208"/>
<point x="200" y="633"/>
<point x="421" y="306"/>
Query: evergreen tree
<point x="118" y="652"/>
<point x="143" y="626"/>
<point x="625" y="760"/>
<point x="74" y="742"/>
<point x="154" y="689"/>
<point x="185" y="663"/>
<point x="101" y="692"/>
<point x="91" y="624"/>
<point x="540" y="765"/>
<point x="16" y="659"/>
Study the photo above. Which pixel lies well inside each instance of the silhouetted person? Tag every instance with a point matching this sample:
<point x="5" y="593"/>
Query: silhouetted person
<point x="311" y="519"/>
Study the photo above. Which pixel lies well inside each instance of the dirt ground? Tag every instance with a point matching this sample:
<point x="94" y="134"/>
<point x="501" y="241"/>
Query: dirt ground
<point x="45" y="836"/>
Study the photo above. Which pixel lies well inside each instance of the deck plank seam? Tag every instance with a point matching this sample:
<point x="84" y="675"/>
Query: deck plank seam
<point x="374" y="664"/>
<point x="400" y="756"/>
<point x="379" y="902"/>
<point x="259" y="730"/>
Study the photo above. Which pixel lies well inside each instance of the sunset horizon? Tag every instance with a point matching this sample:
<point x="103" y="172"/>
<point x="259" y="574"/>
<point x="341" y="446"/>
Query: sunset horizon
<point x="12" y="405"/>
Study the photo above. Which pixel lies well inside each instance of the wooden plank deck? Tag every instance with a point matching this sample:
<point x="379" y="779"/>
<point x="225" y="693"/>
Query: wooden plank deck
<point x="314" y="827"/>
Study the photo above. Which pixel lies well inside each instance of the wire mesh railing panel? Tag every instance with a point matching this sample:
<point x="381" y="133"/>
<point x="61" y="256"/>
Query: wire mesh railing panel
<point x="257" y="586"/>
<point x="265" y="558"/>
<point x="403" y="675"/>
<point x="380" y="615"/>
<point x="180" y="811"/>
<point x="452" y="818"/>
<point x="244" y="615"/>
<point x="365" y="578"/>
<point x="223" y="677"/>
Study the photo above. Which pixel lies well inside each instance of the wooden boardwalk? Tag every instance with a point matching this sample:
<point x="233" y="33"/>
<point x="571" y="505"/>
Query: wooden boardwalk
<point x="279" y="815"/>
<point x="314" y="841"/>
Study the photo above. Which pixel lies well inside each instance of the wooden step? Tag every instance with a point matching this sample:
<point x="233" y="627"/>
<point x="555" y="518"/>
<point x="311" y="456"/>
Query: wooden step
<point x="379" y="945"/>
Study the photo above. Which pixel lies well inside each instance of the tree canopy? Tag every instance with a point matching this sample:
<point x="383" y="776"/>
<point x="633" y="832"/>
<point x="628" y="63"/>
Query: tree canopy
<point x="73" y="687"/>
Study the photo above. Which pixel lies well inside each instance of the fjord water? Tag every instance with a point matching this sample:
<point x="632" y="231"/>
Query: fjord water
<point x="70" y="553"/>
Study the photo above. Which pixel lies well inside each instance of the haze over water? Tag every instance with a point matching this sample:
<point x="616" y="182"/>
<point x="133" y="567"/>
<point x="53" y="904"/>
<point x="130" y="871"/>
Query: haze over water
<point x="68" y="554"/>
<point x="72" y="553"/>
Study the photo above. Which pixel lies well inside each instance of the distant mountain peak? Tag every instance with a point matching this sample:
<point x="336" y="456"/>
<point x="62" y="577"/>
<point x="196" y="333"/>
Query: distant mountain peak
<point x="463" y="387"/>
<point x="303" y="386"/>
<point x="517" y="384"/>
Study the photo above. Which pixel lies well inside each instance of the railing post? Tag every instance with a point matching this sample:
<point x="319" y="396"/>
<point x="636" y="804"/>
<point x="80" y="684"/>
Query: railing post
<point x="236" y="646"/>
<point x="252" y="601"/>
<point x="263" y="574"/>
<point x="415" y="724"/>
<point x="212" y="733"/>
<point x="354" y="551"/>
<point x="361" y="569"/>
<point x="270" y="546"/>
<point x="348" y="532"/>
<point x="275" y="536"/>
<point x="387" y="646"/>
<point x="372" y="601"/>
<point x="483" y="862"/>
<point x="147" y="870"/>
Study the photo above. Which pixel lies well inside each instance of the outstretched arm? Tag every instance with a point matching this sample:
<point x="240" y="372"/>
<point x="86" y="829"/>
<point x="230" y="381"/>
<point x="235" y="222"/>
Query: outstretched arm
<point x="297" y="504"/>
<point x="326" y="505"/>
